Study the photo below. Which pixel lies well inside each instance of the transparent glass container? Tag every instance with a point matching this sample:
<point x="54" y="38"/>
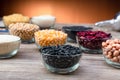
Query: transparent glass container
<point x="89" y="46"/>
<point x="9" y="46"/>
<point x="114" y="64"/>
<point x="24" y="30"/>
<point x="44" y="21"/>
<point x="61" y="64"/>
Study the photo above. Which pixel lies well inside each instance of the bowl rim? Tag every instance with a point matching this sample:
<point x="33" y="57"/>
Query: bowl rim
<point x="80" y="54"/>
<point x="109" y="37"/>
<point x="94" y="39"/>
<point x="44" y="17"/>
<point x="70" y="28"/>
<point x="16" y="38"/>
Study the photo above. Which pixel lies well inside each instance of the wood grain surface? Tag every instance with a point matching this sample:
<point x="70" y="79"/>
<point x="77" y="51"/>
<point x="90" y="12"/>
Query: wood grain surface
<point x="27" y="65"/>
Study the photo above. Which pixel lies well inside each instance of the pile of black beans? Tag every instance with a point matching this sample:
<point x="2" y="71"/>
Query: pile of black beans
<point x="64" y="56"/>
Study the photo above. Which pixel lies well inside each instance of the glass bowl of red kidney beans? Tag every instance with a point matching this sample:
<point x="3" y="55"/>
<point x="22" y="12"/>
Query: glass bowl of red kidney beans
<point x="61" y="59"/>
<point x="91" y="41"/>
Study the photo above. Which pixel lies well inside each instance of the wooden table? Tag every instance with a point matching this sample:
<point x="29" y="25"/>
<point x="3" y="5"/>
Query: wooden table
<point x="27" y="65"/>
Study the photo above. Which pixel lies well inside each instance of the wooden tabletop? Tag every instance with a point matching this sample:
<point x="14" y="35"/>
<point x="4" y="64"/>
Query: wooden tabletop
<point x="27" y="65"/>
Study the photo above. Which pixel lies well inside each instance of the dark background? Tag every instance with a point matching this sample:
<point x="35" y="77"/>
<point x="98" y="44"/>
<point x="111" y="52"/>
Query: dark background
<point x="66" y="11"/>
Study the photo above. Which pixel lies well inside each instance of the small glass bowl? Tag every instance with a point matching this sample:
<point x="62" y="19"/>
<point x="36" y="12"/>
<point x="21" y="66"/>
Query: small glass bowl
<point x="61" y="64"/>
<point x="9" y="46"/>
<point x="24" y="30"/>
<point x="44" y="21"/>
<point x="88" y="46"/>
<point x="114" y="64"/>
<point x="14" y="18"/>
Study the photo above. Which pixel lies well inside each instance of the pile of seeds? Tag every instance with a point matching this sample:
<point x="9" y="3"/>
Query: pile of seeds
<point x="111" y="50"/>
<point x="50" y="37"/>
<point x="64" y="56"/>
<point x="24" y="30"/>
<point x="15" y="18"/>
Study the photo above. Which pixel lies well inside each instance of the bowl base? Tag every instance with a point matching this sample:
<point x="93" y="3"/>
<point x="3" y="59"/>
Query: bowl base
<point x="62" y="71"/>
<point x="28" y="41"/>
<point x="114" y="64"/>
<point x="91" y="51"/>
<point x="8" y="55"/>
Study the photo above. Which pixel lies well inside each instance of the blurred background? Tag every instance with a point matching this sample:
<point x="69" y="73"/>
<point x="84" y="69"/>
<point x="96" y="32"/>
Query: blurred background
<point x="65" y="11"/>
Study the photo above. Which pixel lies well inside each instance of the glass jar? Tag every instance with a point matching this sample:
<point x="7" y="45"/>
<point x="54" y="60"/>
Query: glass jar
<point x="91" y="41"/>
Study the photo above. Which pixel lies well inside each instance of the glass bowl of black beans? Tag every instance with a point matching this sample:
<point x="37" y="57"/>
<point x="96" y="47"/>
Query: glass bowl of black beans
<point x="72" y="31"/>
<point x="61" y="59"/>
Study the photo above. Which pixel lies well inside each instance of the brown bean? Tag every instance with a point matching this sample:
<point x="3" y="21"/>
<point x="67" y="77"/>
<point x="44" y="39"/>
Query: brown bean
<point x="110" y="53"/>
<point x="111" y="43"/>
<point x="107" y="42"/>
<point x="116" y="53"/>
<point x="109" y="56"/>
<point x="113" y="49"/>
<point x="119" y="50"/>
<point x="118" y="58"/>
<point x="117" y="46"/>
<point x="115" y="59"/>
<point x="109" y="47"/>
<point x="104" y="44"/>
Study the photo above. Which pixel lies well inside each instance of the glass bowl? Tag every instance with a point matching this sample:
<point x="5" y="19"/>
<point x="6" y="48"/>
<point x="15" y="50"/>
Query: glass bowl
<point x="15" y="18"/>
<point x="9" y="45"/>
<point x="24" y="30"/>
<point x="44" y="21"/>
<point x="62" y="64"/>
<point x="111" y="52"/>
<point x="72" y="31"/>
<point x="91" y="44"/>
